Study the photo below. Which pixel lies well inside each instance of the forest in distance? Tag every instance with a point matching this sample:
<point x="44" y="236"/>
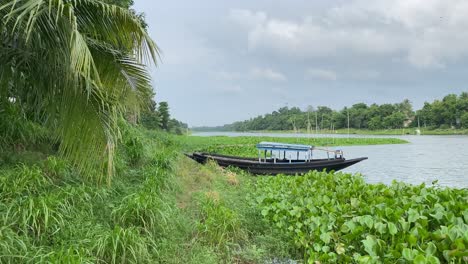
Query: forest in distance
<point x="449" y="113"/>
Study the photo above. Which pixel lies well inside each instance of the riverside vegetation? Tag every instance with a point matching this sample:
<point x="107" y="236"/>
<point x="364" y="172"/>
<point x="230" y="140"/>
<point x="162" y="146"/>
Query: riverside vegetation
<point x="81" y="182"/>
<point x="245" y="146"/>
<point x="446" y="116"/>
<point x="165" y="208"/>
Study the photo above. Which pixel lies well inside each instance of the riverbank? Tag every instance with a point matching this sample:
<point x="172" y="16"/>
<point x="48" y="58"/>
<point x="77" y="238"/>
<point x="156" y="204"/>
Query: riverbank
<point x="390" y="132"/>
<point x="160" y="207"/>
<point x="165" y="208"/>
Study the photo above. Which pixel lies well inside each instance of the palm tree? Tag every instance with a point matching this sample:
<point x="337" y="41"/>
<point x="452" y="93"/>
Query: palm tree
<point x="79" y="66"/>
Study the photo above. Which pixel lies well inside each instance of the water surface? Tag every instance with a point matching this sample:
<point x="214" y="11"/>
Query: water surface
<point x="424" y="160"/>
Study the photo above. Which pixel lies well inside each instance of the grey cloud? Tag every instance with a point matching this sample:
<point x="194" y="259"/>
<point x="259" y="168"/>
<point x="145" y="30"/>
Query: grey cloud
<point x="321" y="74"/>
<point x="225" y="61"/>
<point x="429" y="33"/>
<point x="267" y="74"/>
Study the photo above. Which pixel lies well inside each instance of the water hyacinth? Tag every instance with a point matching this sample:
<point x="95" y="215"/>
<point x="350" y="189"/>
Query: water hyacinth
<point x="339" y="217"/>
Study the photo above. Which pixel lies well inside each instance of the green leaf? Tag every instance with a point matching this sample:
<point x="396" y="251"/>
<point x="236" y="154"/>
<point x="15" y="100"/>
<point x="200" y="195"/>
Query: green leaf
<point x="432" y="260"/>
<point x="431" y="249"/>
<point x="408" y="254"/>
<point x="370" y="245"/>
<point x="340" y="249"/>
<point x="419" y="259"/>
<point x="368" y="221"/>
<point x="413" y="215"/>
<point x="325" y="237"/>
<point x="380" y="227"/>
<point x="392" y="228"/>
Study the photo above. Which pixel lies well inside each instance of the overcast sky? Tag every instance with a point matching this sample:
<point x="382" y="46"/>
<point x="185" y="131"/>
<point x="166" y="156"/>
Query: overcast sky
<point x="225" y="61"/>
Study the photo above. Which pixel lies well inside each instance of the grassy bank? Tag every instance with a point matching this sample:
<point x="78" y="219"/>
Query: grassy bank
<point x="245" y="146"/>
<point x="164" y="208"/>
<point x="160" y="208"/>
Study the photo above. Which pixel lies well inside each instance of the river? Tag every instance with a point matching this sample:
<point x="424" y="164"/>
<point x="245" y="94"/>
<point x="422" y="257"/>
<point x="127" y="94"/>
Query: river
<point x="425" y="159"/>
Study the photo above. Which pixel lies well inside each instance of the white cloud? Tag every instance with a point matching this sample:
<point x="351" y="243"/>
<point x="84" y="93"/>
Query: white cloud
<point x="267" y="74"/>
<point x="425" y="33"/>
<point x="321" y="74"/>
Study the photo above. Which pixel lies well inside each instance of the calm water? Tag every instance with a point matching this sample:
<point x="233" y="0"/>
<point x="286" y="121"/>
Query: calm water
<point x="424" y="159"/>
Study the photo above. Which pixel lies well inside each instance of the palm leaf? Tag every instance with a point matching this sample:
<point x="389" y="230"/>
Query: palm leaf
<point x="80" y="66"/>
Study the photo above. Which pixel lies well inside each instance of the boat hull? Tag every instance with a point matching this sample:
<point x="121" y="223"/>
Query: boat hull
<point x="280" y="167"/>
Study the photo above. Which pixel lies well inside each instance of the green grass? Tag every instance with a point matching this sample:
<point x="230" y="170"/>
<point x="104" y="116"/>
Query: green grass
<point x="160" y="208"/>
<point x="245" y="146"/>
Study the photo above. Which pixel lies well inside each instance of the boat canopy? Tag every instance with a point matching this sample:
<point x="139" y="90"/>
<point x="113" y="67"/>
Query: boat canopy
<point x="283" y="146"/>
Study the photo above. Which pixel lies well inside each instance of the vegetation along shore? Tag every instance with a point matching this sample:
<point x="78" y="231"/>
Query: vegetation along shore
<point x="446" y="116"/>
<point x="92" y="168"/>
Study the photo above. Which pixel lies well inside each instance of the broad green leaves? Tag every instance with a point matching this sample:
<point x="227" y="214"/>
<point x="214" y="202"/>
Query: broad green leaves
<point x="340" y="218"/>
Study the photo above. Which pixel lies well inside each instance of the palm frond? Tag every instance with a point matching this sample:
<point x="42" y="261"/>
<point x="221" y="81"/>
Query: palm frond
<point x="80" y="65"/>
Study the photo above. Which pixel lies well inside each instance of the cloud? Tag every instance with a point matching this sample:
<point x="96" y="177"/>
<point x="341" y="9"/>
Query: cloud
<point x="321" y="74"/>
<point x="424" y="33"/>
<point x="247" y="18"/>
<point x="364" y="74"/>
<point x="228" y="76"/>
<point x="230" y="89"/>
<point x="267" y="74"/>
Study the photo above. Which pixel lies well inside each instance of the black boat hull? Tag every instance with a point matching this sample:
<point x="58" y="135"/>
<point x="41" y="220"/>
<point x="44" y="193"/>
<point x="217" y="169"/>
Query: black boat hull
<point x="280" y="167"/>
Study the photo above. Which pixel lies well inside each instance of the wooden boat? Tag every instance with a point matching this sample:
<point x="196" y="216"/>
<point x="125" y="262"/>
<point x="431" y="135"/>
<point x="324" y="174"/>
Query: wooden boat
<point x="275" y="164"/>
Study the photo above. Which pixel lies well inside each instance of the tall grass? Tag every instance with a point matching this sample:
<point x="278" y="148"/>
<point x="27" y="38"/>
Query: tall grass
<point x="160" y="208"/>
<point x="50" y="213"/>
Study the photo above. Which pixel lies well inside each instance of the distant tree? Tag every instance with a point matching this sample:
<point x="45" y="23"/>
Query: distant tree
<point x="394" y="120"/>
<point x="440" y="113"/>
<point x="164" y="115"/>
<point x="375" y="123"/>
<point x="464" y="120"/>
<point x="406" y="108"/>
<point x="150" y="117"/>
<point x="358" y="115"/>
<point x="177" y="127"/>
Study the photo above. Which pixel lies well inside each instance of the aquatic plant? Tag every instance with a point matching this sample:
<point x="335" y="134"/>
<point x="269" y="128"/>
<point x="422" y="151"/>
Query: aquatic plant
<point x="336" y="217"/>
<point x="245" y="146"/>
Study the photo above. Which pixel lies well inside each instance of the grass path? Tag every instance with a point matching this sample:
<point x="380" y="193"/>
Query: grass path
<point x="217" y="202"/>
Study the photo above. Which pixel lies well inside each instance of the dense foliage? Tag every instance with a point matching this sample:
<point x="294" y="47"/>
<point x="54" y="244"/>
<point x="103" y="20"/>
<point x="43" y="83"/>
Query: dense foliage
<point x="159" y="117"/>
<point x="161" y="208"/>
<point x="75" y="68"/>
<point x="452" y="111"/>
<point x="50" y="214"/>
<point x="339" y="218"/>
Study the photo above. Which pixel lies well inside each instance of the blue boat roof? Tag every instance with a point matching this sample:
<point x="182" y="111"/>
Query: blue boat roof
<point x="283" y="146"/>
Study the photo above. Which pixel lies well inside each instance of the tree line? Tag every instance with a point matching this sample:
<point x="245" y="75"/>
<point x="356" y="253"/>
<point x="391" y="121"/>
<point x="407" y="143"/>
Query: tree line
<point x="450" y="112"/>
<point x="159" y="117"/>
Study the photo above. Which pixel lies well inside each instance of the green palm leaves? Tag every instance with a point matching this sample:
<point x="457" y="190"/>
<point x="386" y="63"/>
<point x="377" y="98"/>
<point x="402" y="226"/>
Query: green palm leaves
<point x="78" y="66"/>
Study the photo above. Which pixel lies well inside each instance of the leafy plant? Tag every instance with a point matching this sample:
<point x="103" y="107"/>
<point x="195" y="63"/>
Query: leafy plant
<point x="338" y="217"/>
